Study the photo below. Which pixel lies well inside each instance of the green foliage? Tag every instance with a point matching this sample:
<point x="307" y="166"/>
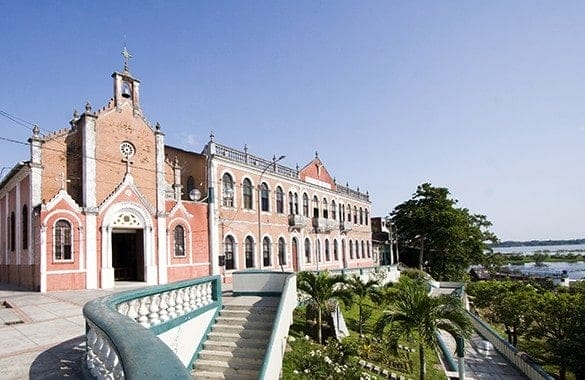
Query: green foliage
<point x="415" y="315"/>
<point x="361" y="292"/>
<point x="438" y="236"/>
<point x="320" y="290"/>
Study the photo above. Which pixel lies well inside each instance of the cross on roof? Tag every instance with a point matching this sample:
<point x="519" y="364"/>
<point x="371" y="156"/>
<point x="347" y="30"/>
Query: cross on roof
<point x="127" y="57"/>
<point x="128" y="163"/>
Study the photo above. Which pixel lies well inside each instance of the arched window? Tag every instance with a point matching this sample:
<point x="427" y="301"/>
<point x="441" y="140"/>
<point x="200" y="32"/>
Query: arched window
<point x="318" y="251"/>
<point x="290" y="203"/>
<point x="295" y="251"/>
<point x="333" y="210"/>
<point x="179" y="241"/>
<point x="327" y="253"/>
<point x="24" y="227"/>
<point x="279" y="200"/>
<point x="361" y="215"/>
<point x="227" y="191"/>
<point x="12" y="232"/>
<point x="355" y="215"/>
<point x="367" y="216"/>
<point x="349" y="213"/>
<point x="266" y="252"/>
<point x="341" y="212"/>
<point x="281" y="251"/>
<point x="249" y="246"/>
<point x="62" y="241"/>
<point x="190" y="184"/>
<point x="357" y="250"/>
<point x="325" y="209"/>
<point x="315" y="207"/>
<point x="229" y="252"/>
<point x="248" y="198"/>
<point x="335" y="250"/>
<point x="296" y="203"/>
<point x="350" y="249"/>
<point x="264" y="197"/>
<point x="363" y="249"/>
<point x="305" y="205"/>
<point x="307" y="250"/>
<point x="368" y="248"/>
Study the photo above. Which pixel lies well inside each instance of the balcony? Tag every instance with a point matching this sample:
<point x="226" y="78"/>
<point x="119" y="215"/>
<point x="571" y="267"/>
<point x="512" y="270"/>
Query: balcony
<point x="297" y="222"/>
<point x="322" y="225"/>
<point x="346" y="226"/>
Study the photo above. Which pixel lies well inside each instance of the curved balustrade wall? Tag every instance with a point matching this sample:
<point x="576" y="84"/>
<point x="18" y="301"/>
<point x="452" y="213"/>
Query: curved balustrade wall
<point x="153" y="332"/>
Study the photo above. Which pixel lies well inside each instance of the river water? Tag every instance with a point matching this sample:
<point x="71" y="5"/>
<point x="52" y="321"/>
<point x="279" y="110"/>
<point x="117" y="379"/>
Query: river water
<point x="574" y="270"/>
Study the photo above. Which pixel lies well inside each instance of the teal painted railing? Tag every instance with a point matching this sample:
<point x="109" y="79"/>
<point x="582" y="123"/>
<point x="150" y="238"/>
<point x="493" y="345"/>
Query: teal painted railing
<point x="272" y="363"/>
<point x="519" y="359"/>
<point x="122" y="330"/>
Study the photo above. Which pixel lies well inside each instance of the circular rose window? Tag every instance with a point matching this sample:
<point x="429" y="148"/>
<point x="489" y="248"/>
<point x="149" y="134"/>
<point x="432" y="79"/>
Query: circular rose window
<point x="127" y="149"/>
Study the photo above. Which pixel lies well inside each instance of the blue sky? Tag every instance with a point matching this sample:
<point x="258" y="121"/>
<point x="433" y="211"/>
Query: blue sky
<point x="484" y="98"/>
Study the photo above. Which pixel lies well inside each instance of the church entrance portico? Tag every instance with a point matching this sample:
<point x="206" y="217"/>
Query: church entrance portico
<point x="128" y="254"/>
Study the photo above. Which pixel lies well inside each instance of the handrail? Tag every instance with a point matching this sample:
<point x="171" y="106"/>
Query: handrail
<point x="282" y="321"/>
<point x="122" y="328"/>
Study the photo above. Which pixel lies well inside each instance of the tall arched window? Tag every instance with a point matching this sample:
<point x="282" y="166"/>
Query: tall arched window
<point x="315" y="207"/>
<point x="179" y="241"/>
<point x="266" y="252"/>
<point x="333" y="210"/>
<point x="363" y="249"/>
<point x="357" y="250"/>
<point x="335" y="250"/>
<point x="62" y="241"/>
<point x="305" y="205"/>
<point x="228" y="250"/>
<point x="279" y="200"/>
<point x="325" y="209"/>
<point x="296" y="203"/>
<point x="367" y="216"/>
<point x="327" y="253"/>
<point x="361" y="215"/>
<point x="282" y="251"/>
<point x="24" y="227"/>
<point x="249" y="247"/>
<point x="368" y="248"/>
<point x="341" y="212"/>
<point x="350" y="249"/>
<point x="248" y="198"/>
<point x="318" y="250"/>
<point x="349" y="213"/>
<point x="290" y="203"/>
<point x="227" y="191"/>
<point x="355" y="215"/>
<point x="264" y="197"/>
<point x="307" y="250"/>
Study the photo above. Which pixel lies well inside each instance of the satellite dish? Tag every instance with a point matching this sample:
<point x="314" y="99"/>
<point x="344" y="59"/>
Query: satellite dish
<point x="195" y="195"/>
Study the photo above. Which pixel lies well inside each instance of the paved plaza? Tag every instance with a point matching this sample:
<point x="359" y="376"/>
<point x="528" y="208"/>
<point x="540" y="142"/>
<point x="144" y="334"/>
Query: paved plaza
<point x="43" y="334"/>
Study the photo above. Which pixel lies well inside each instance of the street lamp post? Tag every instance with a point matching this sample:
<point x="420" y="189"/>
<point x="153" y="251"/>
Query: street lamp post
<point x="260" y="242"/>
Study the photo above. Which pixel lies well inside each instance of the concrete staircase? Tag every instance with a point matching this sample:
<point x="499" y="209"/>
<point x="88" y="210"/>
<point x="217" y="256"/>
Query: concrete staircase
<point x="237" y="343"/>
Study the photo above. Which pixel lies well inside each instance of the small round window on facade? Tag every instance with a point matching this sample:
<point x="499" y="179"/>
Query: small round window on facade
<point x="127" y="149"/>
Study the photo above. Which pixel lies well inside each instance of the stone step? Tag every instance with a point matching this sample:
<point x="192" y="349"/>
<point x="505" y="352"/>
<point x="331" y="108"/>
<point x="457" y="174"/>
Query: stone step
<point x="247" y="315"/>
<point x="227" y="374"/>
<point x="243" y="338"/>
<point x="233" y="363"/>
<point x="260" y="309"/>
<point x="240" y="344"/>
<point x="248" y="355"/>
<point x="252" y="329"/>
<point x="252" y="322"/>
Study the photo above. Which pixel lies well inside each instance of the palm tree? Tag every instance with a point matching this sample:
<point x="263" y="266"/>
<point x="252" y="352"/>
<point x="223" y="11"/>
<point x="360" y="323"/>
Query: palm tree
<point x="321" y="289"/>
<point x="361" y="291"/>
<point x="416" y="315"/>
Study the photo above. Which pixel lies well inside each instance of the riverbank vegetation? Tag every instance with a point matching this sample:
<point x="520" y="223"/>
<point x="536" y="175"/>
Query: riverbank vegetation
<point x="541" y="257"/>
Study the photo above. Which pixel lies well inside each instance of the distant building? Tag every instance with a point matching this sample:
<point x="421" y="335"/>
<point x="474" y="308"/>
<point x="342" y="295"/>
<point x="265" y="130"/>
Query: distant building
<point x="101" y="202"/>
<point x="272" y="217"/>
<point x="383" y="242"/>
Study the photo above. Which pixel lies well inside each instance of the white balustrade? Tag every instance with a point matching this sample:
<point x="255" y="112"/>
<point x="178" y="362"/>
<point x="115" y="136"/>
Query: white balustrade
<point x="101" y="358"/>
<point x="159" y="308"/>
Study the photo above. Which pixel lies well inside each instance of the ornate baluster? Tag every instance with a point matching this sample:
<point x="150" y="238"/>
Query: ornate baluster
<point x="163" y="313"/>
<point x="143" y="312"/>
<point x="179" y="302"/>
<point x="193" y="297"/>
<point x="186" y="300"/>
<point x="172" y="303"/>
<point x="133" y="310"/>
<point x="123" y="308"/>
<point x="198" y="296"/>
<point x="153" y="317"/>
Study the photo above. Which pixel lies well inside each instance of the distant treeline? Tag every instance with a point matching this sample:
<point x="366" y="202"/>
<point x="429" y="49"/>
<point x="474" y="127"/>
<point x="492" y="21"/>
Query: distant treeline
<point x="537" y="243"/>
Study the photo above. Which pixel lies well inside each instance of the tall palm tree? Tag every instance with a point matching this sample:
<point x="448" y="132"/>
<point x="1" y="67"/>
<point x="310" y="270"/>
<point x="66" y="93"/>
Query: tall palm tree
<point x="321" y="288"/>
<point x="415" y="314"/>
<point x="361" y="291"/>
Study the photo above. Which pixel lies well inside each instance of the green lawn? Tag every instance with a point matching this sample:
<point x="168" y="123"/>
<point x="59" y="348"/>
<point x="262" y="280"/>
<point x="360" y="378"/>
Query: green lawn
<point x="311" y="361"/>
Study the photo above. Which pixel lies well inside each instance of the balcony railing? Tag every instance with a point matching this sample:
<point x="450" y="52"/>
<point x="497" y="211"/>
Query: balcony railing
<point x="345" y="226"/>
<point x="297" y="222"/>
<point x="322" y="225"/>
